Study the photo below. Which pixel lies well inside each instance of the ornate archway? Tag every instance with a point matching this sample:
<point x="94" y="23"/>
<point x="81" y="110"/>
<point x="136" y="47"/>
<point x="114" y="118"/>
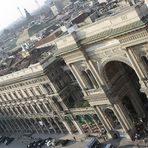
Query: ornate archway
<point x="122" y="81"/>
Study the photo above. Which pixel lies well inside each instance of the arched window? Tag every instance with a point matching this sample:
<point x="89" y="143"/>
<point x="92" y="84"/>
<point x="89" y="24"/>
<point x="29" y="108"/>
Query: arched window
<point x="87" y="80"/>
<point x="92" y="77"/>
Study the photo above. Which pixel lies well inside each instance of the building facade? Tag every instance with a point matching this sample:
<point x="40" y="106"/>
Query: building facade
<point x="109" y="60"/>
<point x="102" y="88"/>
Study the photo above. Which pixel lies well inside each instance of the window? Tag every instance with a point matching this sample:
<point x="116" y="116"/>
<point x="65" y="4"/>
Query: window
<point x="48" y="106"/>
<point x="26" y="93"/>
<point x="39" y="90"/>
<point x="20" y="93"/>
<point x="20" y="111"/>
<point x="24" y="109"/>
<point x="15" y="95"/>
<point x="36" y="108"/>
<point x="47" y="88"/>
<point x="14" y="110"/>
<point x="10" y="95"/>
<point x="42" y="108"/>
<point x="5" y="97"/>
<point x="30" y="109"/>
<point x="32" y="91"/>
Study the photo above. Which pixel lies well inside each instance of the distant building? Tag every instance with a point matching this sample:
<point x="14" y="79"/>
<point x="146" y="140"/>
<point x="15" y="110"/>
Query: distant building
<point x="57" y="7"/>
<point x="54" y="10"/>
<point x="28" y="15"/>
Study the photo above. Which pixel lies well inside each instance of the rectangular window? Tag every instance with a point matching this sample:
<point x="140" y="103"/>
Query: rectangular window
<point x="39" y="90"/>
<point x="15" y="95"/>
<point x="32" y="91"/>
<point x="42" y="108"/>
<point x="20" y="93"/>
<point x="36" y="108"/>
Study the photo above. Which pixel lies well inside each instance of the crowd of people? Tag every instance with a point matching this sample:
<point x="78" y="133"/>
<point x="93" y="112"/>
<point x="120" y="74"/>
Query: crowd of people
<point x="141" y="129"/>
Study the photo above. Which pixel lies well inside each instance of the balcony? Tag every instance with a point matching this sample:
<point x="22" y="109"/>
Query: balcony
<point x="94" y="91"/>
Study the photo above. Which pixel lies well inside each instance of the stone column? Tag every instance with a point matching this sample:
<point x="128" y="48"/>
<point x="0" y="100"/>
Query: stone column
<point x="95" y="123"/>
<point x="53" y="88"/>
<point x="33" y="108"/>
<point x="67" y="127"/>
<point x="137" y="104"/>
<point x="48" y="120"/>
<point x="95" y="73"/>
<point x="135" y="63"/>
<point x="104" y="121"/>
<point x="39" y="108"/>
<point x="78" y="78"/>
<point x="48" y="110"/>
<point x="77" y="125"/>
<point x="123" y="117"/>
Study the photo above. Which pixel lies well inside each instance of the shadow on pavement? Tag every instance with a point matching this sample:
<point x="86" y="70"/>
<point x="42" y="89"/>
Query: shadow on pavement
<point x="70" y="143"/>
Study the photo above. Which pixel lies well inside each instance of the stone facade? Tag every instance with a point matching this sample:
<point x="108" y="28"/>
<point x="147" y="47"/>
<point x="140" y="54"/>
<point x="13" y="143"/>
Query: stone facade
<point x="106" y="65"/>
<point x="109" y="60"/>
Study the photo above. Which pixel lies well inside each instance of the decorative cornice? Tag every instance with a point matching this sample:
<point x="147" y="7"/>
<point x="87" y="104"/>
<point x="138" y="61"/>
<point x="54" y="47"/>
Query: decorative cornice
<point x="110" y="33"/>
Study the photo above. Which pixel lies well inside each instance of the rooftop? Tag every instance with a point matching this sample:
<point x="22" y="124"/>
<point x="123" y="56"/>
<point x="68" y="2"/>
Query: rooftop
<point x="24" y="59"/>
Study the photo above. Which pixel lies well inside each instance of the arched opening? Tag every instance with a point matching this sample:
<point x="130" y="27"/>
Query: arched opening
<point x="124" y="84"/>
<point x="60" y="125"/>
<point x="82" y="123"/>
<point x="112" y="118"/>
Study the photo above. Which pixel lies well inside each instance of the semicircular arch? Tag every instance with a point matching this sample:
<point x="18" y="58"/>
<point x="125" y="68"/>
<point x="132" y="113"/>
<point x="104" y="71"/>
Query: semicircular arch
<point x="112" y="59"/>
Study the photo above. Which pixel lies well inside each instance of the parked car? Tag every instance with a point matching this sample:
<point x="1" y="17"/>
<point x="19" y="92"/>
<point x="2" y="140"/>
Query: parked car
<point x="32" y="145"/>
<point x="49" y="141"/>
<point x="64" y="142"/>
<point x="40" y="142"/>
